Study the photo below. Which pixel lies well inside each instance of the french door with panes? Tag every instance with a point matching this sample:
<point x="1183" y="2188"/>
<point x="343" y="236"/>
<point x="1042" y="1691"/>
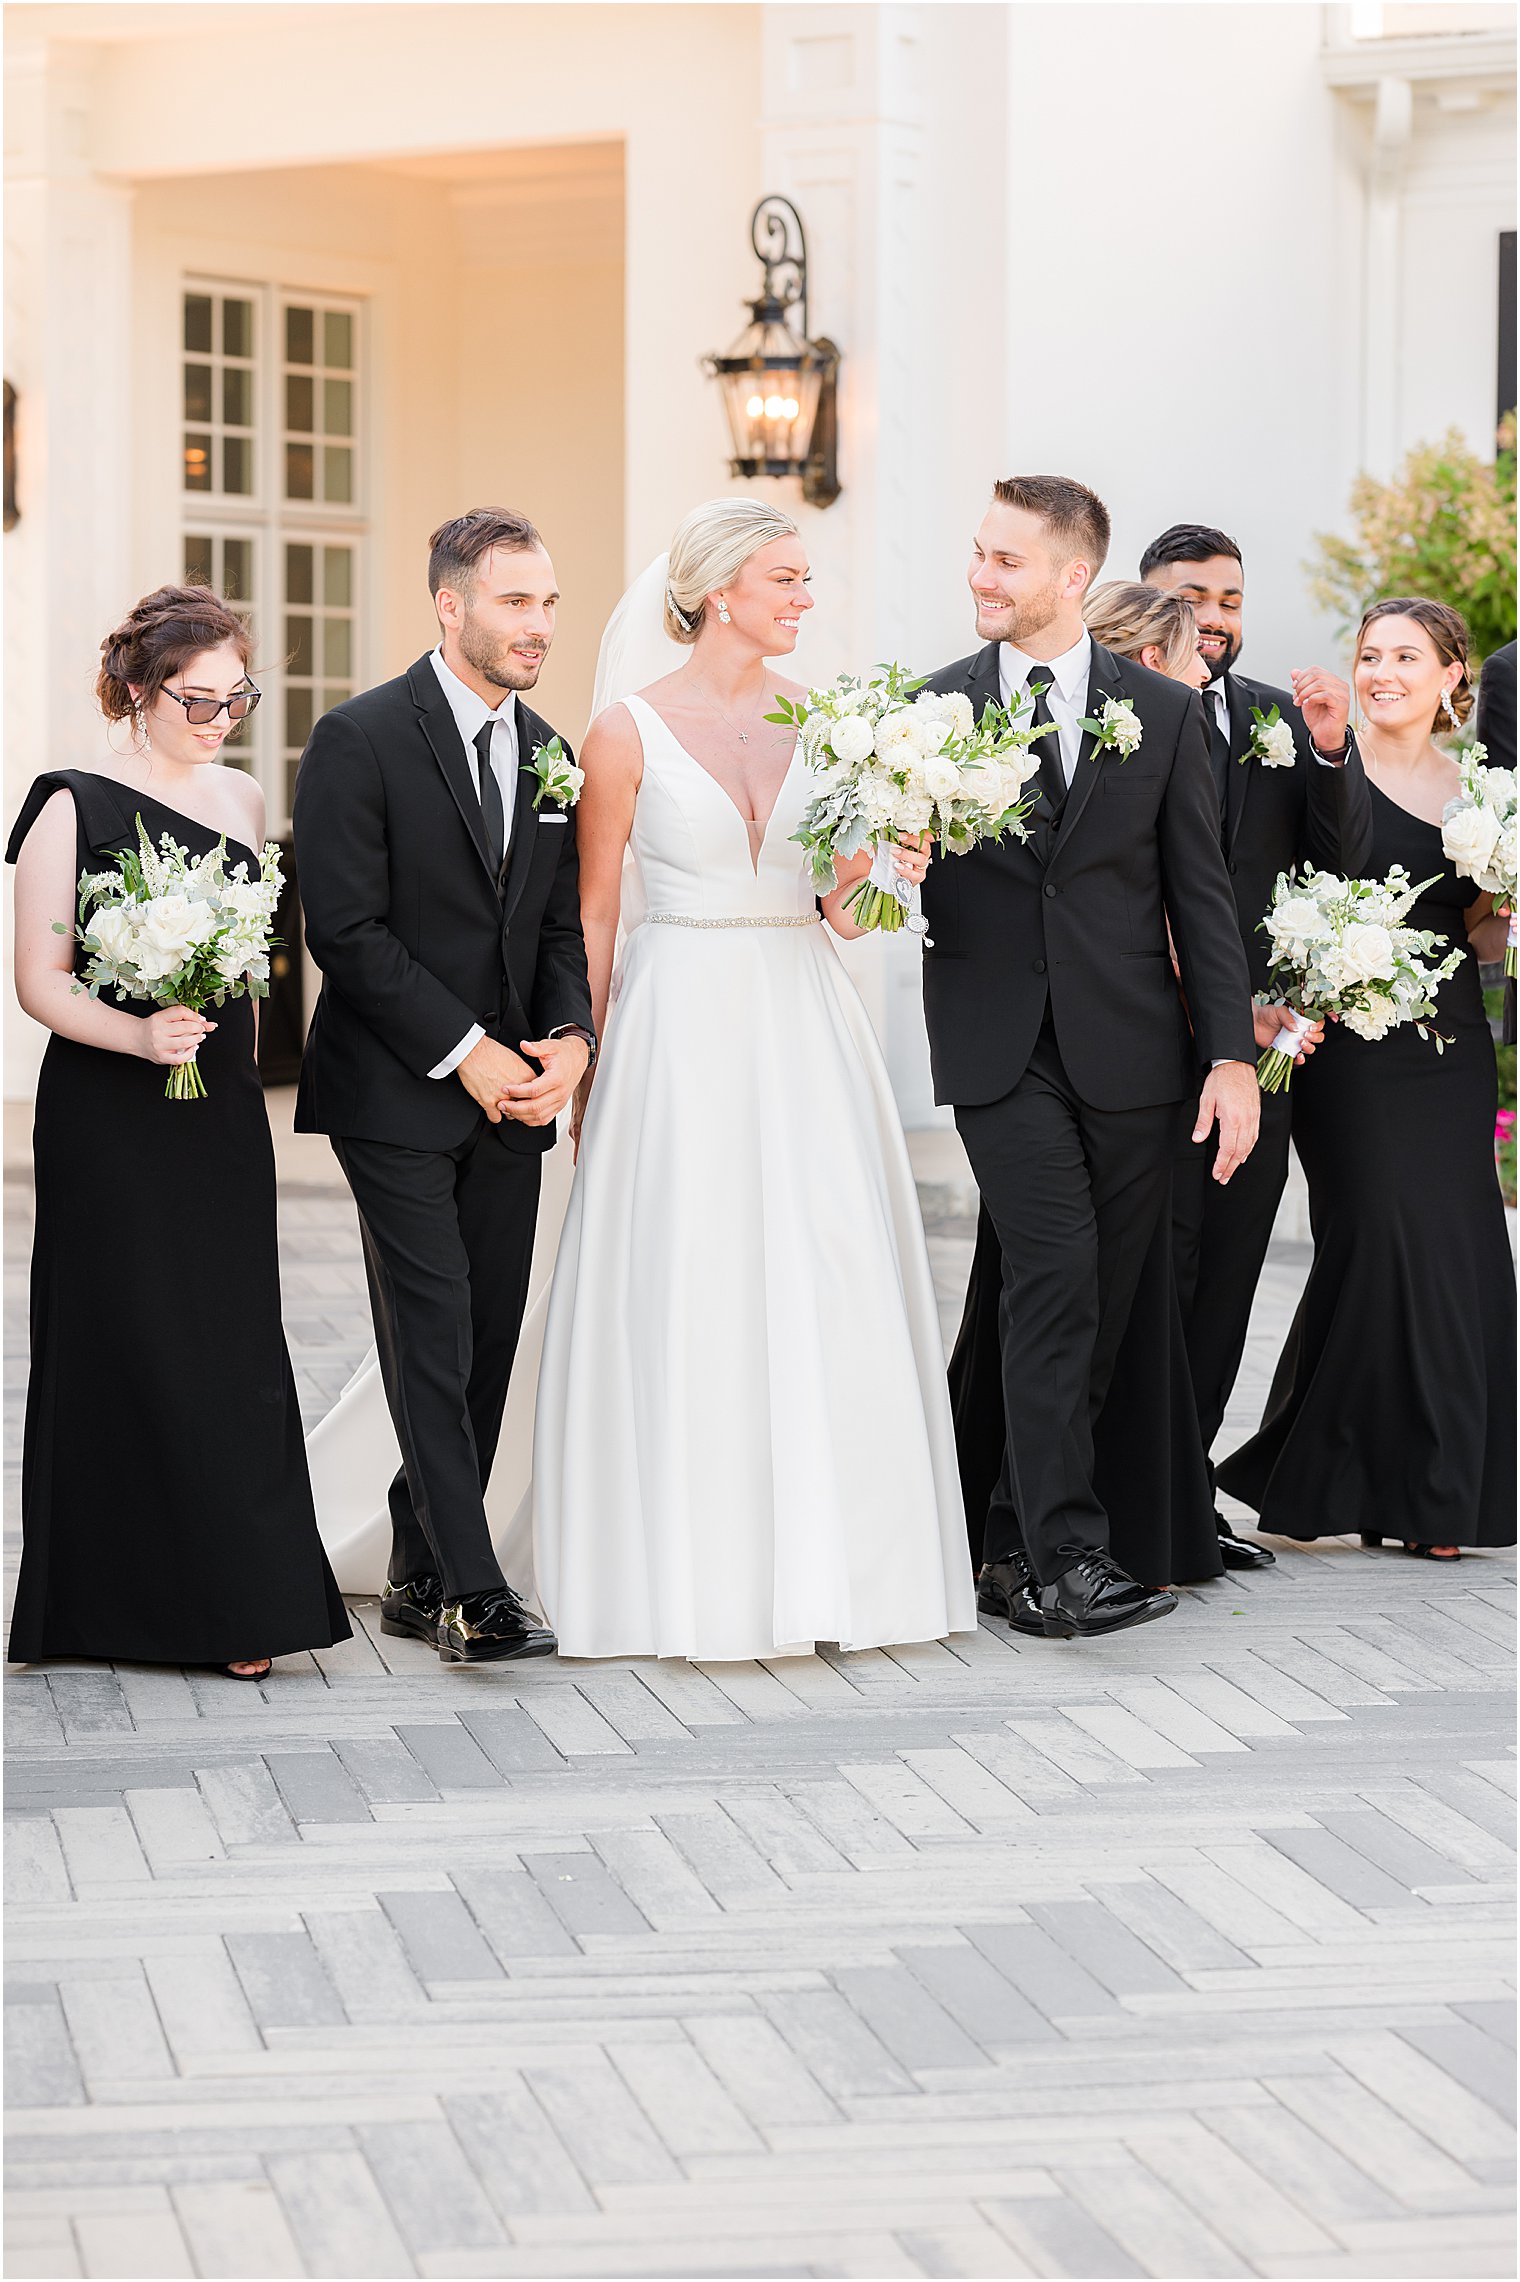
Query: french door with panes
<point x="273" y="500"/>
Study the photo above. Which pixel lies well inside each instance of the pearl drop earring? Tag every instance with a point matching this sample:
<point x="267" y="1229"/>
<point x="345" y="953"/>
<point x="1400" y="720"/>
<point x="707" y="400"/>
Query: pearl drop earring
<point x="1449" y="709"/>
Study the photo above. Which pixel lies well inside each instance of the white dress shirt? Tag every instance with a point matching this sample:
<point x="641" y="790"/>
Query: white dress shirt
<point x="1066" y="678"/>
<point x="471" y="713"/>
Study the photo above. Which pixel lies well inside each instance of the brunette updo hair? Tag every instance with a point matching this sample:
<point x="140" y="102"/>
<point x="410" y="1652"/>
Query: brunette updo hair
<point x="1447" y="629"/>
<point x="160" y="634"/>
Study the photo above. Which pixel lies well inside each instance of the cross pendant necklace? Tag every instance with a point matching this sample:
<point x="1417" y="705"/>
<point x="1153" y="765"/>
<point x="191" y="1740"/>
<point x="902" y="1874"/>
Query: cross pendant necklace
<point x="726" y="718"/>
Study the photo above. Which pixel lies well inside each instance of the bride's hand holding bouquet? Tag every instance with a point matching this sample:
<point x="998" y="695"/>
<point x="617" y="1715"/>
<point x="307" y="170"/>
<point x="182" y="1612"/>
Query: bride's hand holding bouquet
<point x="895" y="768"/>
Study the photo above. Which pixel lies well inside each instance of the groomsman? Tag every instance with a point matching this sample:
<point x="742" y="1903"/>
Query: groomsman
<point x="1057" y="1031"/>
<point x="454" y="1024"/>
<point x="1315" y="807"/>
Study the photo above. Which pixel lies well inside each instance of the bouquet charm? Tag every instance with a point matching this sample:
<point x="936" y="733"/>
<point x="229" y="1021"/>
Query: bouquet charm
<point x="1340" y="948"/>
<point x="179" y="931"/>
<point x="888" y="757"/>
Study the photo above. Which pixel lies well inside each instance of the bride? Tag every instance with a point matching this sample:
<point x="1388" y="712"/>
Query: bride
<point x="742" y="1442"/>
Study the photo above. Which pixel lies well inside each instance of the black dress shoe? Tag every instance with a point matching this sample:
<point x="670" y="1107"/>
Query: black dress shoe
<point x="1240" y="1553"/>
<point x="410" y="1610"/>
<point x="1009" y="1589"/>
<point x="486" y="1628"/>
<point x="1096" y="1596"/>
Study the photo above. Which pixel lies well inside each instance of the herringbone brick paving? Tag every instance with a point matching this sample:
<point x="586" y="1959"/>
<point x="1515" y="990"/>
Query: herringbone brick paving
<point x="1186" y="1954"/>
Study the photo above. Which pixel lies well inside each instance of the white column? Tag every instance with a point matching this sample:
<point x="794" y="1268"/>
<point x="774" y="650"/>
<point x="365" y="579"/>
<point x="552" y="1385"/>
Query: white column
<point x="843" y="138"/>
<point x="69" y="302"/>
<point x="1382" y="274"/>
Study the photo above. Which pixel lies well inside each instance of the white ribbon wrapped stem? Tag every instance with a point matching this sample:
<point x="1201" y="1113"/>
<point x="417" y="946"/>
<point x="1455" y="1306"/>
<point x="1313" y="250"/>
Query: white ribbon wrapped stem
<point x="1292" y="1035"/>
<point x="886" y="876"/>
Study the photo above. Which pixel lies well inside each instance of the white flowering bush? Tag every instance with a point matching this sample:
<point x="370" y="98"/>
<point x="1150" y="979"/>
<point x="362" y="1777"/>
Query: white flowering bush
<point x="1478" y="834"/>
<point x="1340" y="947"/>
<point x="888" y="756"/>
<point x="179" y="930"/>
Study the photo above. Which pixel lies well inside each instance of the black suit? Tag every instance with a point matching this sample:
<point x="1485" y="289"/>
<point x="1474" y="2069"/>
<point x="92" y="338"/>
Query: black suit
<point x="1273" y="818"/>
<point x="418" y="941"/>
<point x="1057" y="1031"/>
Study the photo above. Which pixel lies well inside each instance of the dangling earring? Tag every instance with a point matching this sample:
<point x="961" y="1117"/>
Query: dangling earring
<point x="724" y="618"/>
<point x="1449" y="709"/>
<point x="140" y="728"/>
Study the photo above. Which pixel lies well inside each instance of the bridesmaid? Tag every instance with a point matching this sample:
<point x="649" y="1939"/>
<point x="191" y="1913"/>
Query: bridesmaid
<point x="166" y="1511"/>
<point x="1392" y="1412"/>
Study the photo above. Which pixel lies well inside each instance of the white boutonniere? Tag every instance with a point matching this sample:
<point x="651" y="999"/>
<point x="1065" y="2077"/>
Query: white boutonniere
<point x="1271" y="740"/>
<point x="557" y="775"/>
<point x="1117" y="729"/>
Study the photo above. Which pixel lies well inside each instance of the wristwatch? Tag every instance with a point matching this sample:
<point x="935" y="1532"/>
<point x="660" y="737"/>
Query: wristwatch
<point x="576" y="1030"/>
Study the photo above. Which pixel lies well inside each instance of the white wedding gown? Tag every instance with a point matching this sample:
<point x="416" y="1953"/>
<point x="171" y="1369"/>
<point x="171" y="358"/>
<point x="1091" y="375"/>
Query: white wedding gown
<point x="743" y="1441"/>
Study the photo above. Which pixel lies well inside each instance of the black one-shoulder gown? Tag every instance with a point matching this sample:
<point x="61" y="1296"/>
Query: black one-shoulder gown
<point x="166" y="1508"/>
<point x="1392" y="1411"/>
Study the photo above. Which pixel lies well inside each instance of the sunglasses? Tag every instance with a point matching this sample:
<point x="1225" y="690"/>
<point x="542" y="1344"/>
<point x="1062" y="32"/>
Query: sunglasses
<point x="200" y="712"/>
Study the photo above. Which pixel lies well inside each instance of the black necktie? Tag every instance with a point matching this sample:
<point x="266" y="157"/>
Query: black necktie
<point x="1219" y="740"/>
<point x="490" y="799"/>
<point x="1052" y="775"/>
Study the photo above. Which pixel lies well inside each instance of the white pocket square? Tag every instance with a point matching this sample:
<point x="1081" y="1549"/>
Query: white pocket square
<point x="554" y="816"/>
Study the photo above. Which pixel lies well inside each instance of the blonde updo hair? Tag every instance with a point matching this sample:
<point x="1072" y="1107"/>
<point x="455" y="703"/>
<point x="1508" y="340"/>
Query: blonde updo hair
<point x="1127" y="617"/>
<point x="710" y="547"/>
<point x="1447" y="629"/>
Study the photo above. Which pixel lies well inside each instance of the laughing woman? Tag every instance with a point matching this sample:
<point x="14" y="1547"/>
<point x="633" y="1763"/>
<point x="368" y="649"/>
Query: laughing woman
<point x="166" y="1509"/>
<point x="1393" y="1409"/>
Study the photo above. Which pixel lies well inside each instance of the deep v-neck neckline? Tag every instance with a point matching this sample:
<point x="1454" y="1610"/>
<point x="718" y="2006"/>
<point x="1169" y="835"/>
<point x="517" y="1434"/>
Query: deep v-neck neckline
<point x="724" y="795"/>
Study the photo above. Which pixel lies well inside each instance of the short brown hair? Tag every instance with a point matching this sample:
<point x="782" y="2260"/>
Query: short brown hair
<point x="1074" y="516"/>
<point x="457" y="547"/>
<point x="160" y="634"/>
<point x="1447" y="629"/>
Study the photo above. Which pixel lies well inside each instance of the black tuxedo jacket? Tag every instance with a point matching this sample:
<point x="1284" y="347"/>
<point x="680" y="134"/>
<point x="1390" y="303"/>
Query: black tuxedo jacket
<point x="1496" y="707"/>
<point x="1076" y="917"/>
<point x="1274" y="818"/>
<point x="416" y="939"/>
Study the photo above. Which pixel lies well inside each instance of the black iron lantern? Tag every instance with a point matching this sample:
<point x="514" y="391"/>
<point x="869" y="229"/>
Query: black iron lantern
<point x="779" y="387"/>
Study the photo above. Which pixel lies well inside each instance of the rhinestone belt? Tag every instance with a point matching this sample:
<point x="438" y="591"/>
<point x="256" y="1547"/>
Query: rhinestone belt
<point x="681" y="919"/>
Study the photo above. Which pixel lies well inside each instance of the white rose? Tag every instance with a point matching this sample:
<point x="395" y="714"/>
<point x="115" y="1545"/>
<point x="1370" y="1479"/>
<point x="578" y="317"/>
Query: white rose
<point x="1123" y="724"/>
<point x="929" y="734"/>
<point x="1470" y="837"/>
<point x="850" y="739"/>
<point x="1367" y="953"/>
<point x="895" y="741"/>
<point x="114" y="930"/>
<point x="942" y="779"/>
<point x="914" y="812"/>
<point x="169" y="929"/>
<point x="1013" y="775"/>
<point x="1274" y="742"/>
<point x="1297" y="919"/>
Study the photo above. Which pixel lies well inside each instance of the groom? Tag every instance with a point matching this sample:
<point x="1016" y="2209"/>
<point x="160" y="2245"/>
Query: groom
<point x="1057" y="1030"/>
<point x="453" y="1025"/>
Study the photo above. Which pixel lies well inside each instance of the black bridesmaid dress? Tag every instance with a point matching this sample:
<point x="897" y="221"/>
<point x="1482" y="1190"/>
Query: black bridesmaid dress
<point x="167" y="1515"/>
<point x="1392" y="1412"/>
<point x="1149" y="1470"/>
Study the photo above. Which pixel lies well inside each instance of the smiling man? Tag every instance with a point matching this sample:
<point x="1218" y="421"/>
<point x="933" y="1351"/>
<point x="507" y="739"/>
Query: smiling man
<point x="442" y="906"/>
<point x="1277" y="807"/>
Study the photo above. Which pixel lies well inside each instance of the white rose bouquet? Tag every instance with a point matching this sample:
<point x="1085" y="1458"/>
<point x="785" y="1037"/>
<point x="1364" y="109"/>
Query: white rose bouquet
<point x="888" y="756"/>
<point x="178" y="930"/>
<point x="1340" y="947"/>
<point x="1478" y="834"/>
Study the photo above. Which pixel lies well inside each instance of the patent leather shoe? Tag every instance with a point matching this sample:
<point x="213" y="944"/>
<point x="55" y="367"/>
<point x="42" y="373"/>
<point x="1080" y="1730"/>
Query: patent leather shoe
<point x="1096" y="1596"/>
<point x="489" y="1627"/>
<point x="410" y="1610"/>
<point x="1240" y="1553"/>
<point x="1009" y="1589"/>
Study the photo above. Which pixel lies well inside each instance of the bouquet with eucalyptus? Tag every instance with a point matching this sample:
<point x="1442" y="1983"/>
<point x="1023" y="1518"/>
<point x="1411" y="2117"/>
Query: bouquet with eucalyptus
<point x="179" y="930"/>
<point x="1340" y="947"/>
<point x="1478" y="834"/>
<point x="889" y="757"/>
